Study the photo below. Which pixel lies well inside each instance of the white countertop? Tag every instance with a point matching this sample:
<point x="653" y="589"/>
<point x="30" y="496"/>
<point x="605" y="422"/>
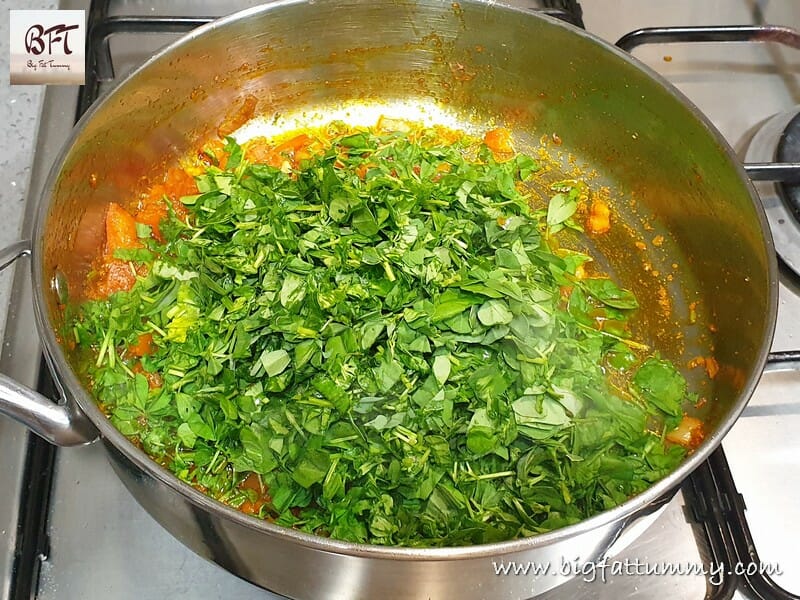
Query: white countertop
<point x="19" y="114"/>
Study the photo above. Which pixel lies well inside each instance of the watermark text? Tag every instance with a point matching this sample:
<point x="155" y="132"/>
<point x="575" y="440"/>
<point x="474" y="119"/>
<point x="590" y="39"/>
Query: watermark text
<point x="606" y="568"/>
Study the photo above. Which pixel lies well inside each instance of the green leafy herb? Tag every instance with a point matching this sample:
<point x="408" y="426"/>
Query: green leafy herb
<point x="661" y="384"/>
<point x="607" y="292"/>
<point x="561" y="208"/>
<point x="382" y="336"/>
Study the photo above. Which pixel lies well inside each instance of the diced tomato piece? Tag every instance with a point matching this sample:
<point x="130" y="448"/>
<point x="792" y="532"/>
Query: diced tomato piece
<point x="111" y="276"/>
<point x="712" y="367"/>
<point x="253" y="507"/>
<point x="709" y="363"/>
<point x="153" y="208"/>
<point x="689" y="432"/>
<point x="120" y="229"/>
<point x="213" y="153"/>
<point x="260" y="151"/>
<point x="154" y="379"/>
<point x="143" y="346"/>
<point x="294" y="150"/>
<point x="179" y="183"/>
<point x="152" y="213"/>
<point x="361" y="170"/>
<point x="294" y="144"/>
<point x="156" y="193"/>
<point x="441" y="169"/>
<point x="498" y="140"/>
<point x="599" y="219"/>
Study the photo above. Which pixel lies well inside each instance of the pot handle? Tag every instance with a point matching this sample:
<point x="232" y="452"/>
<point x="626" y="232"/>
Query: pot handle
<point x="62" y="424"/>
<point x="11" y="253"/>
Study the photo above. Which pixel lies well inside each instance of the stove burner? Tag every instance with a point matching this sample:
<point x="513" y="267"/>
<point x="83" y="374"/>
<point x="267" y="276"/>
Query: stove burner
<point x="778" y="139"/>
<point x="789" y="151"/>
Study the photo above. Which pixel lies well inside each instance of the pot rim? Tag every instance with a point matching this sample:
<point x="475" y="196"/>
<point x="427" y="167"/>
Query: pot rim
<point x="623" y="512"/>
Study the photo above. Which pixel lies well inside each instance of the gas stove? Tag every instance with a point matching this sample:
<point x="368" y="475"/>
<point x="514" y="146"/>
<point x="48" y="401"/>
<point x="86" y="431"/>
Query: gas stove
<point x="70" y="530"/>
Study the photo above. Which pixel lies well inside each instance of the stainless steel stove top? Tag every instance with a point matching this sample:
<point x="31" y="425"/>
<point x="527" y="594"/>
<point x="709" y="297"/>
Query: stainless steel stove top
<point x="101" y="544"/>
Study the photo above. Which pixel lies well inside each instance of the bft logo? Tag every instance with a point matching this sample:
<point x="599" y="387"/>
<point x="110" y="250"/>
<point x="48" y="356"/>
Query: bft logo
<point x="58" y="34"/>
<point x="48" y="46"/>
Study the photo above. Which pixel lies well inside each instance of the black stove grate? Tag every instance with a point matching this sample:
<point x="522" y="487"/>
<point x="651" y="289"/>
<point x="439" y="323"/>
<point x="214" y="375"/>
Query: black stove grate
<point x="33" y="544"/>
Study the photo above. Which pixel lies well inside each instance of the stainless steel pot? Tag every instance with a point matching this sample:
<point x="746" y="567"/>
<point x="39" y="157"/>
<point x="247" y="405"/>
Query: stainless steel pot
<point x="473" y="63"/>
